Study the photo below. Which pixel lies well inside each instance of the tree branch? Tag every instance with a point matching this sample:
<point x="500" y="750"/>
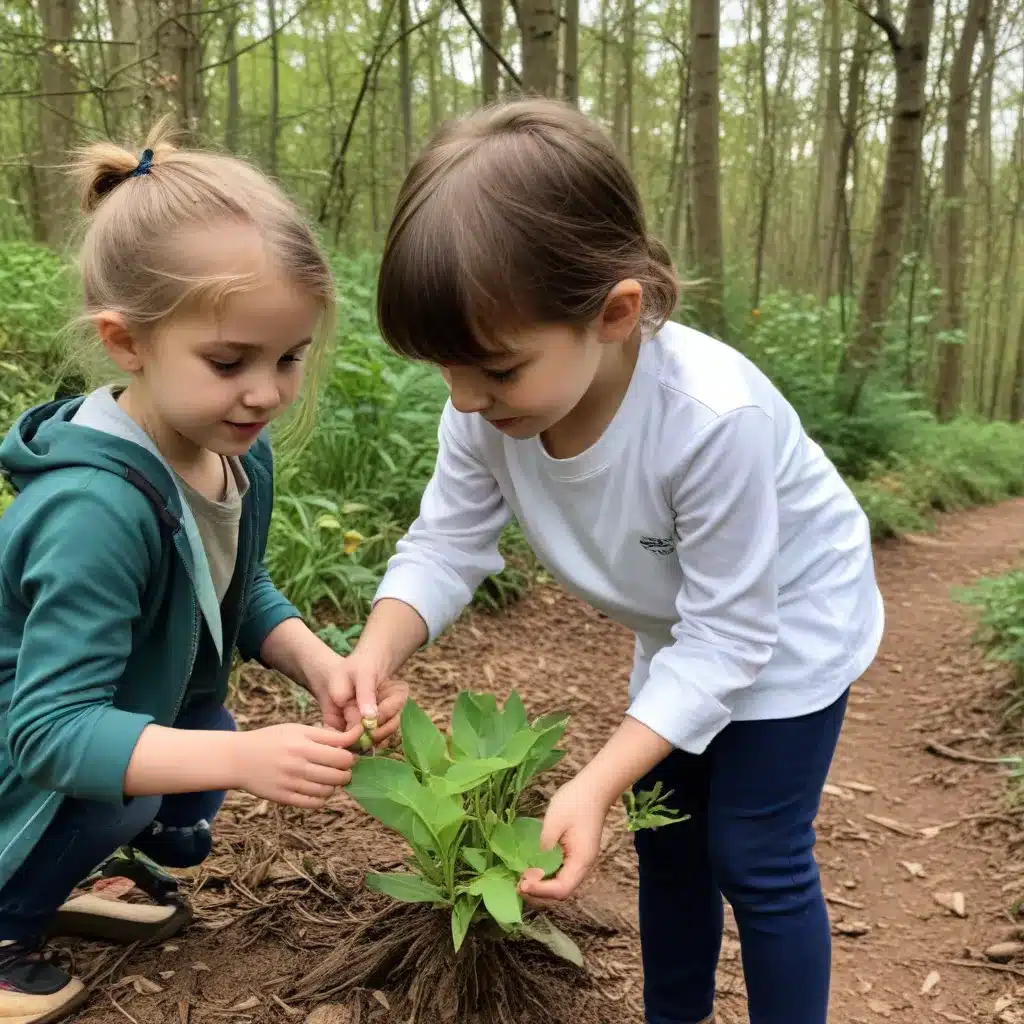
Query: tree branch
<point x="509" y="70"/>
<point x="882" y="17"/>
<point x="259" y="42"/>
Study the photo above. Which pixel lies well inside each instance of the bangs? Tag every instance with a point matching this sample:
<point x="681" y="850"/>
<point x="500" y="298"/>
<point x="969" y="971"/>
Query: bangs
<point x="450" y="286"/>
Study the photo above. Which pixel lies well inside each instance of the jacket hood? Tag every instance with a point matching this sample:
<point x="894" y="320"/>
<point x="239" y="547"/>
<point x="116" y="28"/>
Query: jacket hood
<point x="44" y="439"/>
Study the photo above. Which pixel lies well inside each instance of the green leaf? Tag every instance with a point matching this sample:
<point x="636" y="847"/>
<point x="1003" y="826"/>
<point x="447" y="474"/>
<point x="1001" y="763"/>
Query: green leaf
<point x="462" y="918"/>
<point x="422" y="741"/>
<point x="465" y="719"/>
<point x="515" y="712"/>
<point x="497" y="886"/>
<point x="389" y="790"/>
<point x="475" y="858"/>
<point x="518" y="846"/>
<point x="514" y="751"/>
<point x="465" y="775"/>
<point x="540" y="929"/>
<point x="404" y="886"/>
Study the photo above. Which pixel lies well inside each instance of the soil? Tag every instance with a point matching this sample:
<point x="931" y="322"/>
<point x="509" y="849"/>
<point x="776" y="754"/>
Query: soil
<point x="919" y="842"/>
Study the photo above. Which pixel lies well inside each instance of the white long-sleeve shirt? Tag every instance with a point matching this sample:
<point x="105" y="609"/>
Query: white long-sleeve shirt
<point x="704" y="519"/>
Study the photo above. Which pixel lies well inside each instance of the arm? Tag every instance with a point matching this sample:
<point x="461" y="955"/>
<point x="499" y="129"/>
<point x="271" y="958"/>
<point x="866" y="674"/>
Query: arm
<point x="727" y="527"/>
<point x="447" y="553"/>
<point x="83" y="587"/>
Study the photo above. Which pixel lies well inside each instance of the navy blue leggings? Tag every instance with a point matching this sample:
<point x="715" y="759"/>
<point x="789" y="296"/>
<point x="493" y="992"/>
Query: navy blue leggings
<point x="753" y="796"/>
<point x="173" y="830"/>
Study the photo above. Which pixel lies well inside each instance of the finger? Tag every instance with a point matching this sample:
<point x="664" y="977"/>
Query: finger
<point x="309" y="803"/>
<point x="322" y="775"/>
<point x="389" y="728"/>
<point x="330" y="738"/>
<point x="315" y="790"/>
<point x="573" y="871"/>
<point x="332" y="716"/>
<point x="366" y="695"/>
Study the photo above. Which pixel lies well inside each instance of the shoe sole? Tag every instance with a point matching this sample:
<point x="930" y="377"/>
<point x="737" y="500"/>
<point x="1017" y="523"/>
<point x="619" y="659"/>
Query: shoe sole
<point x="120" y="929"/>
<point x="73" y="1005"/>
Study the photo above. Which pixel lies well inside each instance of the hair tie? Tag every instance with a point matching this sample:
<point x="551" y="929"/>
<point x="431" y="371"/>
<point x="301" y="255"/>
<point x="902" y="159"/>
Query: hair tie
<point x="144" y="164"/>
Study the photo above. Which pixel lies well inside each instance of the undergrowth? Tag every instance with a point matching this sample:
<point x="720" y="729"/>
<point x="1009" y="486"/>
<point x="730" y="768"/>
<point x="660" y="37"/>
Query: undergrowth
<point x="344" y="500"/>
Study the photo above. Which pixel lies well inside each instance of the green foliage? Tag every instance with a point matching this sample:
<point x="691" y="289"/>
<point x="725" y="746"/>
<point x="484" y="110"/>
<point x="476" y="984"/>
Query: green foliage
<point x="945" y="468"/>
<point x="455" y="799"/>
<point x="798" y="344"/>
<point x="1000" y="604"/>
<point x="649" y="809"/>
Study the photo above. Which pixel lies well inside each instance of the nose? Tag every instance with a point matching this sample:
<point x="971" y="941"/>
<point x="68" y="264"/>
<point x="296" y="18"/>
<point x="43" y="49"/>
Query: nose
<point x="263" y="392"/>
<point x="467" y="395"/>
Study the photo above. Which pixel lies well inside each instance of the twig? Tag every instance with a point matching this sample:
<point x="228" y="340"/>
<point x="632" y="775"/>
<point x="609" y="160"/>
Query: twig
<point x="841" y="901"/>
<point x="941" y="750"/>
<point x="478" y="32"/>
<point x="121" y="1009"/>
<point x="895" y="826"/>
<point x="302" y="874"/>
<point x="883" y="19"/>
<point x="984" y="965"/>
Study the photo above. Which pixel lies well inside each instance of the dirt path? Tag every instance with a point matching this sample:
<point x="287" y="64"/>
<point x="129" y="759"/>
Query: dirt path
<point x="283" y="886"/>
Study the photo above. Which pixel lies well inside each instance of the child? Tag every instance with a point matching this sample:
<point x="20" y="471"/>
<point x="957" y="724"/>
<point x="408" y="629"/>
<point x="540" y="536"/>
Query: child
<point x="660" y="476"/>
<point x="131" y="563"/>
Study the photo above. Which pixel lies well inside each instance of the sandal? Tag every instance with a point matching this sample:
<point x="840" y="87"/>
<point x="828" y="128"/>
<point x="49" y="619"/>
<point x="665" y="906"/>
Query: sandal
<point x="128" y="898"/>
<point x="33" y="989"/>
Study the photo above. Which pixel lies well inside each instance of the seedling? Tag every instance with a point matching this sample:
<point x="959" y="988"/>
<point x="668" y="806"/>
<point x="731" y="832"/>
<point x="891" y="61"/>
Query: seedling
<point x="647" y="809"/>
<point x="455" y="799"/>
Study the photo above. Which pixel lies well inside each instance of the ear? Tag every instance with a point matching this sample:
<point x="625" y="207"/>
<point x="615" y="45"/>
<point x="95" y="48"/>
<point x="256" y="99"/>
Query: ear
<point x="118" y="341"/>
<point x="620" y="314"/>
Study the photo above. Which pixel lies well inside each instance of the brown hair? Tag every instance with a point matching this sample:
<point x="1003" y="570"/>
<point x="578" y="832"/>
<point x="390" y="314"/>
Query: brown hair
<point x="521" y="213"/>
<point x="134" y="258"/>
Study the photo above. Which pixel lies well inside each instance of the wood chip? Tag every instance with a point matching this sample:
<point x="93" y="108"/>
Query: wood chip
<point x="852" y="929"/>
<point x="246" y="1004"/>
<point x="941" y="750"/>
<point x="952" y="901"/>
<point x="1004" y="952"/>
<point x="894" y="826"/>
<point x="291" y="1011"/>
<point x="858" y="787"/>
<point x="877" y="1006"/>
<point x="930" y="982"/>
<point x="1003" y="1003"/>
<point x="842" y="901"/>
<point x="382" y="999"/>
<point x="837" y="791"/>
<point x="914" y="869"/>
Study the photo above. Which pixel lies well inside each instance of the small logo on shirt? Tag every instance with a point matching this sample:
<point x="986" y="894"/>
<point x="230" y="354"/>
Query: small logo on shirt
<point x="658" y="545"/>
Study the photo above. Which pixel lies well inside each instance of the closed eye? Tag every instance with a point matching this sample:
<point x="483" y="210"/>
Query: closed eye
<point x="503" y="376"/>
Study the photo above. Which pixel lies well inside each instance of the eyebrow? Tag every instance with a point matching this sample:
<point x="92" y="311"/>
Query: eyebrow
<point x="241" y="346"/>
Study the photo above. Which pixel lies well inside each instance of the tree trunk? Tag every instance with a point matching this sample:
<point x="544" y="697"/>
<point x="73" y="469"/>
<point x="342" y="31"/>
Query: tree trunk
<point x="56" y="116"/>
<point x="540" y="47"/>
<point x="951" y="351"/>
<point x="274" y="125"/>
<point x="571" y="53"/>
<point x="405" y="83"/>
<point x="602" y="74"/>
<point x="628" y="52"/>
<point x="707" y="221"/>
<point x="233" y="115"/>
<point x="122" y="102"/>
<point x="828" y="157"/>
<point x="490" y="25"/>
<point x="910" y="52"/>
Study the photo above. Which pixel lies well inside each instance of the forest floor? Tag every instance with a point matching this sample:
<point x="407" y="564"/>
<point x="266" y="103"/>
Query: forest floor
<point x="921" y="850"/>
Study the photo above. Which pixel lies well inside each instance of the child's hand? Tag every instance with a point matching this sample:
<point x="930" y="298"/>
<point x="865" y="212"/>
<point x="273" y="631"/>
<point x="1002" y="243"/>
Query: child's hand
<point x="294" y="764"/>
<point x="356" y="691"/>
<point x="574" y="820"/>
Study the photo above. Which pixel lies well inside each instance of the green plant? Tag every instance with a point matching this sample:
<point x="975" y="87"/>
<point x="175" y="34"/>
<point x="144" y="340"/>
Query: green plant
<point x="455" y="800"/>
<point x="649" y="810"/>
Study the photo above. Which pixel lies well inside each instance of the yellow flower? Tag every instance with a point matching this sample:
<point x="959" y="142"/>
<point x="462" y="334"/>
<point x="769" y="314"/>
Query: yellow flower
<point x="352" y="540"/>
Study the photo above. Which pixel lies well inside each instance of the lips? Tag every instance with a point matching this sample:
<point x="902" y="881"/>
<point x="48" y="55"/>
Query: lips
<point x="247" y="429"/>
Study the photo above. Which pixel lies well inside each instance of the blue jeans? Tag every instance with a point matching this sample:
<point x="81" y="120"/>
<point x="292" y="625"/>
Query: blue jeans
<point x="753" y="796"/>
<point x="173" y="830"/>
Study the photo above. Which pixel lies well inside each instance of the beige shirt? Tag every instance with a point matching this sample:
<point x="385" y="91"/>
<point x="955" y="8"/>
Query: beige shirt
<point x="218" y="523"/>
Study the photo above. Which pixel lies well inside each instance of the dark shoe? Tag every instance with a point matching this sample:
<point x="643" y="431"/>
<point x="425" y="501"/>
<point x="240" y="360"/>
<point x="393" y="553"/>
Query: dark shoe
<point x="127" y="899"/>
<point x="34" y="990"/>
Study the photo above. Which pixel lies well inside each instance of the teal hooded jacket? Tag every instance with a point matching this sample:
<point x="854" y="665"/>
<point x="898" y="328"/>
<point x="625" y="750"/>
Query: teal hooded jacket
<point x="108" y="618"/>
